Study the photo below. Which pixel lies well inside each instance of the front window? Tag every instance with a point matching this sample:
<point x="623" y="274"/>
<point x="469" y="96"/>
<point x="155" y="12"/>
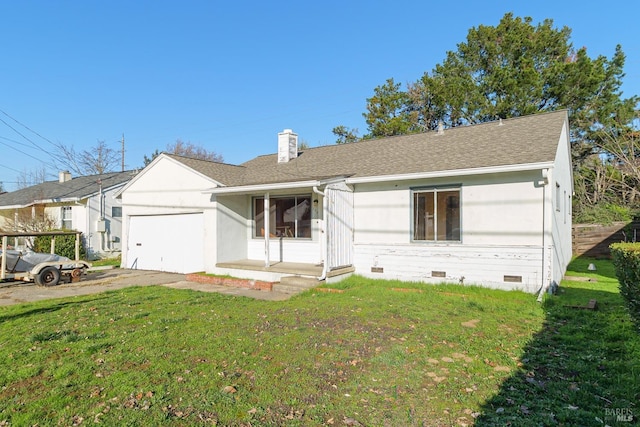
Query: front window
<point x="289" y="216"/>
<point x="436" y="215"/>
<point x="67" y="224"/>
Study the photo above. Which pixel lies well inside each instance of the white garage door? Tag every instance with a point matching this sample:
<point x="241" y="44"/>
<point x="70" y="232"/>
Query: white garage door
<point x="166" y="243"/>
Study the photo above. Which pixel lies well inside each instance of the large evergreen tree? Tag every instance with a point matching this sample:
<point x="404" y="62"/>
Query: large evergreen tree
<point x="512" y="69"/>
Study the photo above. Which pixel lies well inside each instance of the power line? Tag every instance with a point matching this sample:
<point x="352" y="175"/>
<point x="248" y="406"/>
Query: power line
<point x="27" y="127"/>
<point x="9" y="167"/>
<point x="56" y="157"/>
<point x="22" y="152"/>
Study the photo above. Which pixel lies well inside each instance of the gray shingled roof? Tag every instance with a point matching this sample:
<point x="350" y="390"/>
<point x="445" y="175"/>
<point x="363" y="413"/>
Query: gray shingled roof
<point x="220" y="172"/>
<point x="53" y="191"/>
<point x="522" y="140"/>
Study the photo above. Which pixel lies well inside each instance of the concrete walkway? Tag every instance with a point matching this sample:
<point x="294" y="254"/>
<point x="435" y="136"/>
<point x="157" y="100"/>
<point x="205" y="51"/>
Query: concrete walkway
<point x="110" y="279"/>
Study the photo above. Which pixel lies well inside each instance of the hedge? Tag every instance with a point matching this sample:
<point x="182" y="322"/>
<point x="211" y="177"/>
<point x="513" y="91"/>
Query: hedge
<point x="65" y="245"/>
<point x="626" y="259"/>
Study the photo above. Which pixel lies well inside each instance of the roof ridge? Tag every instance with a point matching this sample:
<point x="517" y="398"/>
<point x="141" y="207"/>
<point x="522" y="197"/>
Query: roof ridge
<point x="428" y="132"/>
<point x="200" y="160"/>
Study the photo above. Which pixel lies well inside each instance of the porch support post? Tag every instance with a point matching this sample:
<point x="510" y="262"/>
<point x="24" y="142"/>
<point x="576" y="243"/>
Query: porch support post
<point x="3" y="262"/>
<point x="77" y="247"/>
<point x="267" y="227"/>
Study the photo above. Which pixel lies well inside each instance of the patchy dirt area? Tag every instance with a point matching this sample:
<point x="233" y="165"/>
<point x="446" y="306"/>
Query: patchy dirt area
<point x="106" y="280"/>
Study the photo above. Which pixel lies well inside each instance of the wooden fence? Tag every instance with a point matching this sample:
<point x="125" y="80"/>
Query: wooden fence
<point x="593" y="240"/>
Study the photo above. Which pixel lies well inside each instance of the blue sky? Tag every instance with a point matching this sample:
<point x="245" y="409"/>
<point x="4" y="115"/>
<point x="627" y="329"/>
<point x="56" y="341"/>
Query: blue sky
<point x="230" y="75"/>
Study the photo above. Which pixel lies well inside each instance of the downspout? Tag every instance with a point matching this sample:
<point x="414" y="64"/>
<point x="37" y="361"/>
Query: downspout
<point x="545" y="284"/>
<point x="325" y="265"/>
<point x="267" y="227"/>
<point x="105" y="236"/>
<point x="101" y="201"/>
<point x="89" y="233"/>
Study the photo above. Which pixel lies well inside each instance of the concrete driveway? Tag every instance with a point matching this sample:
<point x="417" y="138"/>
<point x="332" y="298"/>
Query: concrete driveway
<point x="110" y="279"/>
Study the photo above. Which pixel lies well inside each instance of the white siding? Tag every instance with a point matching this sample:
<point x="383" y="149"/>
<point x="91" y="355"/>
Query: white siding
<point x="561" y="217"/>
<point x="501" y="232"/>
<point x="503" y="210"/>
<point x="170" y="188"/>
<point x="232" y="228"/>
<point x="287" y="250"/>
<point x="110" y="241"/>
<point x="468" y="264"/>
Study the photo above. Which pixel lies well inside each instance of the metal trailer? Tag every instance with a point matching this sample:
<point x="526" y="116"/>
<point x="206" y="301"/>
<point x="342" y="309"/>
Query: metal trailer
<point x="47" y="273"/>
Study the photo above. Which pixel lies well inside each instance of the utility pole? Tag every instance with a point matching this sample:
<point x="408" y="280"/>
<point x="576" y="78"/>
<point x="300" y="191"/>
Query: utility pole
<point x="123" y="152"/>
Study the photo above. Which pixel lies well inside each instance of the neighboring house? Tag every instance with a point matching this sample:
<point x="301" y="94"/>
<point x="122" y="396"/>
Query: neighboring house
<point x="488" y="204"/>
<point x="85" y="204"/>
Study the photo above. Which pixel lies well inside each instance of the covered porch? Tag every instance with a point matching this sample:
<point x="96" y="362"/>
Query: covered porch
<point x="257" y="270"/>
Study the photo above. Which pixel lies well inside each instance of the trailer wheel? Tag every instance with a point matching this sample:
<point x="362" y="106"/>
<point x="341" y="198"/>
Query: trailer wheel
<point x="48" y="276"/>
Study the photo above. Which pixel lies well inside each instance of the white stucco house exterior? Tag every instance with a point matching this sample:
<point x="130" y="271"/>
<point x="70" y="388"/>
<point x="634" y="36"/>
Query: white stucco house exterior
<point x="85" y="203"/>
<point x="488" y="204"/>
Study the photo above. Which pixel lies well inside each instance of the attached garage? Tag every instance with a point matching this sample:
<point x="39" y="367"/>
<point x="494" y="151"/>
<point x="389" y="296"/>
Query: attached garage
<point x="172" y="243"/>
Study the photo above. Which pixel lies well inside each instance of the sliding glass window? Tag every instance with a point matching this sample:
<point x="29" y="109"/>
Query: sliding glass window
<point x="436" y="215"/>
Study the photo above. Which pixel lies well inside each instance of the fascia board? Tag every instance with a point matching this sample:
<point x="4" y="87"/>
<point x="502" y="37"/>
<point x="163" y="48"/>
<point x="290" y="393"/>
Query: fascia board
<point x="245" y="189"/>
<point x="53" y="201"/>
<point x="7" y="207"/>
<point x="42" y="202"/>
<point x="450" y="173"/>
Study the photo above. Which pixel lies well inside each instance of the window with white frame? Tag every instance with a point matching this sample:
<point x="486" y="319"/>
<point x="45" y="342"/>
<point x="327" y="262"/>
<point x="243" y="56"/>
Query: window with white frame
<point x="116" y="211"/>
<point x="67" y="223"/>
<point x="289" y="217"/>
<point x="436" y="214"/>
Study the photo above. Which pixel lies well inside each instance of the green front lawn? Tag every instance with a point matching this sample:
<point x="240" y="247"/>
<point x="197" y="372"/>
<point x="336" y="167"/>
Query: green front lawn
<point x="378" y="353"/>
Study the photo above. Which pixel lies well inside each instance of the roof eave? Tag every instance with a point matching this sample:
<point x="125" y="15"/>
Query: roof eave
<point x="43" y="202"/>
<point x="247" y="189"/>
<point x="450" y="173"/>
<point x="59" y="200"/>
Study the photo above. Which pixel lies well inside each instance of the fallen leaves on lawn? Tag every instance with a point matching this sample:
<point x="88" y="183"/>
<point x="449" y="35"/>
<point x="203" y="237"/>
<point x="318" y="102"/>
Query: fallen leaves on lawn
<point x="230" y="389"/>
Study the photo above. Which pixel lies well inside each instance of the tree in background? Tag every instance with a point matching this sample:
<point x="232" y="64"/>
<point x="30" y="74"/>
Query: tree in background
<point x="148" y="160"/>
<point x="28" y="178"/>
<point x="510" y="70"/>
<point x="610" y="177"/>
<point x="388" y="114"/>
<point x="187" y="149"/>
<point x="98" y="159"/>
<point x="303" y="144"/>
<point x="345" y="135"/>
